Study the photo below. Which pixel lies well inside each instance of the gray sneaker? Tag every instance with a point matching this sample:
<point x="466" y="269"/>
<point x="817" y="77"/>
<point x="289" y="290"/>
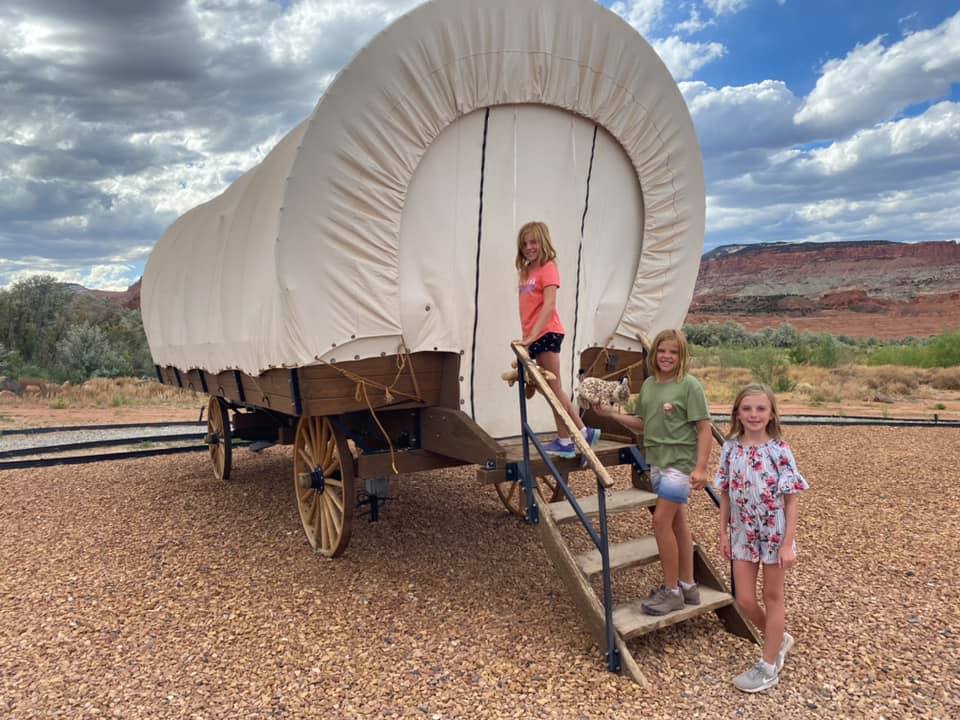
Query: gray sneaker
<point x="691" y="596"/>
<point x="662" y="601"/>
<point x="786" y="646"/>
<point x="756" y="679"/>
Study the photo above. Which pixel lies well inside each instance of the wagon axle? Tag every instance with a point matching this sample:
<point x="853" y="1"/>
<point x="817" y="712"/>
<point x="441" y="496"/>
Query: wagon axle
<point x="315" y="480"/>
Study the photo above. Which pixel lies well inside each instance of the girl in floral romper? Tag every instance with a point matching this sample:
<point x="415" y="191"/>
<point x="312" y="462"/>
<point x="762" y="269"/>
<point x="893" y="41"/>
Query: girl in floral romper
<point x="759" y="482"/>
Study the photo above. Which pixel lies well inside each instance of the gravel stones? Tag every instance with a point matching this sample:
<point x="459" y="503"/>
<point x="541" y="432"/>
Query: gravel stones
<point x="146" y="588"/>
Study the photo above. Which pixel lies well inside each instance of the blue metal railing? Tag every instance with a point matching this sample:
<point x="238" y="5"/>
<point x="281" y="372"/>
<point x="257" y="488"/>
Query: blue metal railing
<point x="600" y="539"/>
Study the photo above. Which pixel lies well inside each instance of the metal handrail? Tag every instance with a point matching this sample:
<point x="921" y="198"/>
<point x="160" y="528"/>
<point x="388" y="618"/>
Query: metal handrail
<point x="600" y="539"/>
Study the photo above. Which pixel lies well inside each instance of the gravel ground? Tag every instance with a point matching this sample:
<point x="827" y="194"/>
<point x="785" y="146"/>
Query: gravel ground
<point x="145" y="588"/>
<point x="14" y="441"/>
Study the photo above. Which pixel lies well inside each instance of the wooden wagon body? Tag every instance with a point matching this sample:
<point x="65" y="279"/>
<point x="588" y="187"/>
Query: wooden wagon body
<point x="354" y="293"/>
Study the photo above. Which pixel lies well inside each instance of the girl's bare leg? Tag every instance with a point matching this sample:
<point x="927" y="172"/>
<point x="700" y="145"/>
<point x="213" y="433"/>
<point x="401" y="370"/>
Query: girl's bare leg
<point x="775" y="611"/>
<point x="663" y="520"/>
<point x="681" y="531"/>
<point x="551" y="361"/>
<point x="745" y="579"/>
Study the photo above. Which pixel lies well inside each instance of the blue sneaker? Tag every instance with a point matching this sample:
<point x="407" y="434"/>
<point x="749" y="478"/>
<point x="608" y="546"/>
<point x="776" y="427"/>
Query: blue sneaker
<point x="592" y="436"/>
<point x="555" y="447"/>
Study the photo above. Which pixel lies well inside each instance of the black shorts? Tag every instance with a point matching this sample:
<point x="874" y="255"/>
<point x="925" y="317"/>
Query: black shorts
<point x="549" y="342"/>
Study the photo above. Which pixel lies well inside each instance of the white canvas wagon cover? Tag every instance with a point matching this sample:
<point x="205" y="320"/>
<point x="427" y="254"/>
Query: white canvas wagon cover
<point x="391" y="212"/>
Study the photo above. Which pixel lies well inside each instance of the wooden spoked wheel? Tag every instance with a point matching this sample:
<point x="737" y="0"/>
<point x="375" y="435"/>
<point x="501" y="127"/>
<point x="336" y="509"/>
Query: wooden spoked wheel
<point x="515" y="499"/>
<point x="219" y="437"/>
<point x="323" y="483"/>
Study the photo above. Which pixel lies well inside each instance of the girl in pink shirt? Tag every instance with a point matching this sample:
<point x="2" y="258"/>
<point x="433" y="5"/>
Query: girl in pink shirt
<point x="539" y="280"/>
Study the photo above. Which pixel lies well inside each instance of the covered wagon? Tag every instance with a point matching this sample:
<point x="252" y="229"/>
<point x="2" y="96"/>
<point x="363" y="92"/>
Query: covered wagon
<point x="354" y="294"/>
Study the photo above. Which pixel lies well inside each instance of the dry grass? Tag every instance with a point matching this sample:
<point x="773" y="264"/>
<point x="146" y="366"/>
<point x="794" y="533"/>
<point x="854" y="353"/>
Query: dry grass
<point x="882" y="390"/>
<point x="148" y="589"/>
<point x="107" y="392"/>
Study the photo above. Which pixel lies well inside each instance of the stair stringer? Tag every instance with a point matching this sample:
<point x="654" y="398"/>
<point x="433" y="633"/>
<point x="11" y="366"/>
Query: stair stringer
<point x="591" y="610"/>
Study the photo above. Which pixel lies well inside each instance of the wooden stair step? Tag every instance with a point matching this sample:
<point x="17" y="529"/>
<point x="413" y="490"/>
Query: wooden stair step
<point x="632" y="553"/>
<point x="618" y="501"/>
<point x="631" y="621"/>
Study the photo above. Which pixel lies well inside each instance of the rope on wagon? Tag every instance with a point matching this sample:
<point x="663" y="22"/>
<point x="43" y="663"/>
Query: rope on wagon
<point x="404" y="360"/>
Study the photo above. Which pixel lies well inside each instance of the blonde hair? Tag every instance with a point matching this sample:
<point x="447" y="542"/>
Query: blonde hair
<point x="542" y="234"/>
<point x="684" y="360"/>
<point x="773" y="426"/>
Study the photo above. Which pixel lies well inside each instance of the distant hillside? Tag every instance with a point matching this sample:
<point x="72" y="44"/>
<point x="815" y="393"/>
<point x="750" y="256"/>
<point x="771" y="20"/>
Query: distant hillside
<point x="883" y="289"/>
<point x="129" y="298"/>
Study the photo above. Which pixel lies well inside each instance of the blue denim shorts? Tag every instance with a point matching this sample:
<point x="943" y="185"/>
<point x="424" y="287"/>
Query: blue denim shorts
<point x="670" y="484"/>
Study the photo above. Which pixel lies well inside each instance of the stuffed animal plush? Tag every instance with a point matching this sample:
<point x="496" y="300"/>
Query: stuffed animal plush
<point x="511" y="377"/>
<point x="594" y="391"/>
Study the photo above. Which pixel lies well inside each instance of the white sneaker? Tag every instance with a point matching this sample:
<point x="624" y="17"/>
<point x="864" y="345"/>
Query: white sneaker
<point x="786" y="645"/>
<point x="757" y="679"/>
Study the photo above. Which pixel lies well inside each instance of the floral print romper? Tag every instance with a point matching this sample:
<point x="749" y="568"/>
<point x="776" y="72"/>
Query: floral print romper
<point x="756" y="477"/>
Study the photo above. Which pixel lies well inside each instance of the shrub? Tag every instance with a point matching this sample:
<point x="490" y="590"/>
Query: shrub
<point x="946" y="378"/>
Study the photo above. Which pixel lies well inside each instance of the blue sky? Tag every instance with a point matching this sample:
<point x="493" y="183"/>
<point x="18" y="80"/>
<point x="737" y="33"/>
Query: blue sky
<point x="818" y="120"/>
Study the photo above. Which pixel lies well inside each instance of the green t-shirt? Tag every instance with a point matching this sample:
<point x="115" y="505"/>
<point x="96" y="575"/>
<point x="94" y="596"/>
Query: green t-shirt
<point x="670" y="438"/>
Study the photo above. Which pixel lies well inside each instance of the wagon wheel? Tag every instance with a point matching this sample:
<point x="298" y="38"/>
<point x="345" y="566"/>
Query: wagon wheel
<point x="323" y="484"/>
<point x="219" y="437"/>
<point x="513" y="497"/>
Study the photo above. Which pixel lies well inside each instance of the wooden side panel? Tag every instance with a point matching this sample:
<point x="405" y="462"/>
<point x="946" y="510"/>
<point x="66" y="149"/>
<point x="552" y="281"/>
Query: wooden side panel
<point x="332" y="389"/>
<point x="596" y="362"/>
<point x="192" y="380"/>
<point x="270" y="390"/>
<point x="224" y="385"/>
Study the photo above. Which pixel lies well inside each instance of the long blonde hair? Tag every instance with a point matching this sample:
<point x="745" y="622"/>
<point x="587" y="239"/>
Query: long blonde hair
<point x="684" y="360"/>
<point x="773" y="425"/>
<point x="542" y="233"/>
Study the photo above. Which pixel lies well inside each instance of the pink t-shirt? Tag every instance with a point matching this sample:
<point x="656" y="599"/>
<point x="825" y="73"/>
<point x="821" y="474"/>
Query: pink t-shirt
<point x="531" y="299"/>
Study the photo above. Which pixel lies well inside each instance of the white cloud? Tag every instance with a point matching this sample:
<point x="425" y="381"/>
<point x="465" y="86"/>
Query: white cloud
<point x="758" y="115"/>
<point x="726" y="7"/>
<point x="898" y="180"/>
<point x="875" y="82"/>
<point x="693" y="24"/>
<point x="684" y="58"/>
<point x="931" y="139"/>
<point x="642" y="14"/>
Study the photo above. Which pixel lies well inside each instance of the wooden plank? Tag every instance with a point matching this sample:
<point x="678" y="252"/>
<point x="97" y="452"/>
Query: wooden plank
<point x="403" y="389"/>
<point x="583" y="447"/>
<point x="387" y="365"/>
<point x="632" y="622"/>
<point x="454" y="434"/>
<point x="633" y="553"/>
<point x="338" y="406"/>
<point x="607" y="452"/>
<point x="191" y="380"/>
<point x="733" y="619"/>
<point x="617" y="502"/>
<point x="407" y="461"/>
<point x="451" y="383"/>
<point x="590" y="607"/>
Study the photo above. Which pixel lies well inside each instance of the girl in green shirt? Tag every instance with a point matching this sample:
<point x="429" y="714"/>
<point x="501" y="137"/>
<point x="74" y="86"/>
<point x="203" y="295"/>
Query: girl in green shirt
<point x="675" y="423"/>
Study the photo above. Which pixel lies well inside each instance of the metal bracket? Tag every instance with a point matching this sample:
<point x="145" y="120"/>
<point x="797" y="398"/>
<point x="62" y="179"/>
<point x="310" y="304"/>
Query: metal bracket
<point x="238" y="376"/>
<point x="631" y="456"/>
<point x="295" y="391"/>
<point x="512" y="472"/>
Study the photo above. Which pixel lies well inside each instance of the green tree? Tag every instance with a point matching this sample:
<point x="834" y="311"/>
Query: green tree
<point x="85" y="351"/>
<point x="33" y="318"/>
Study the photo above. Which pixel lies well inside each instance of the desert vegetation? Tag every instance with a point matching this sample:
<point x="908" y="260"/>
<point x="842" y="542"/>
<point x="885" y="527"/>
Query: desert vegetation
<point x="69" y="349"/>
<point x="820" y="369"/>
